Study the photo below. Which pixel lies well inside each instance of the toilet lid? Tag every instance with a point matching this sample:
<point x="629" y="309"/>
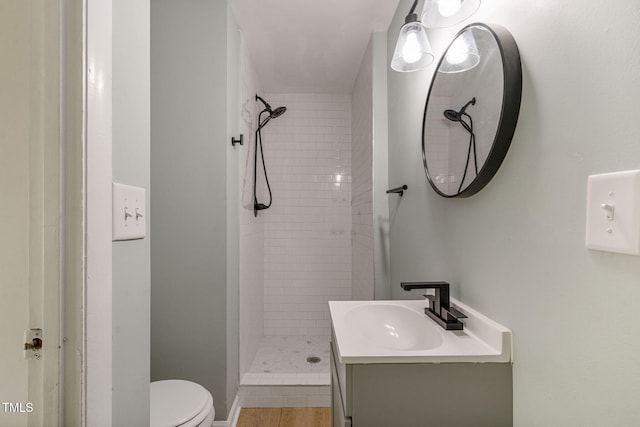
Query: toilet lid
<point x="175" y="402"/>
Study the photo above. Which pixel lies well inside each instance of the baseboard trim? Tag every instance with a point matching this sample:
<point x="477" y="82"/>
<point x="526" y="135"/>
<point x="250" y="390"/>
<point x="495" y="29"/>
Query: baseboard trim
<point x="234" y="414"/>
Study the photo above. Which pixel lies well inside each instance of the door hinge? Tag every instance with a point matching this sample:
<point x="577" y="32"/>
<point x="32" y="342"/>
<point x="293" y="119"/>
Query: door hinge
<point x="33" y="344"/>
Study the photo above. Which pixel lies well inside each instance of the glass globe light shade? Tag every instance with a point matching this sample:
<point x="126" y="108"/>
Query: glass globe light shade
<point x="446" y="13"/>
<point x="412" y="51"/>
<point x="462" y="55"/>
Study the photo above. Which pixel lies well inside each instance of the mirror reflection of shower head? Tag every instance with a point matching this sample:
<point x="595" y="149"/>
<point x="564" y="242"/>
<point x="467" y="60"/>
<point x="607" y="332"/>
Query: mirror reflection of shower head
<point x="456" y="116"/>
<point x="452" y="115"/>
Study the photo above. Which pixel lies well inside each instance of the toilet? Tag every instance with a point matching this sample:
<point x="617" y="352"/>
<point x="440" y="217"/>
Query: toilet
<point x="179" y="403"/>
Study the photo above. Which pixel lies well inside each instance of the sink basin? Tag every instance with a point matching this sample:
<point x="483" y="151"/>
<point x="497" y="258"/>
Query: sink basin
<point x="399" y="332"/>
<point x="394" y="327"/>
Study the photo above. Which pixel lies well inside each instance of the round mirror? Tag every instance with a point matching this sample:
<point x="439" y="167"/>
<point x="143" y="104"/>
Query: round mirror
<point x="471" y="110"/>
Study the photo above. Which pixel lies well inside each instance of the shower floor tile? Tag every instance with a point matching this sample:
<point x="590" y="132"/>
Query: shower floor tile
<point x="282" y="360"/>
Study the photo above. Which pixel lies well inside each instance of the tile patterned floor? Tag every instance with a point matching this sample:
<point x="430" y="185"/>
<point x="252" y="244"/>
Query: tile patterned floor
<point x="280" y="375"/>
<point x="283" y="360"/>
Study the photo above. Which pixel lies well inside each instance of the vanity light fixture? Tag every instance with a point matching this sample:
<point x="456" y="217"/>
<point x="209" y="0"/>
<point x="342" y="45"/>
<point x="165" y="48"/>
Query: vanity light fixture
<point x="412" y="51"/>
<point x="446" y="13"/>
<point x="462" y="55"/>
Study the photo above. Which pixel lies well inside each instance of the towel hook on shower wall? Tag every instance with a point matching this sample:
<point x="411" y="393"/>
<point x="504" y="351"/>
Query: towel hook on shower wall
<point x="398" y="190"/>
<point x="235" y="141"/>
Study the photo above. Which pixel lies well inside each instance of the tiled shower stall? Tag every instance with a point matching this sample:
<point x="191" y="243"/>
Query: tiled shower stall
<point x="307" y="244"/>
<point x="306" y="247"/>
<point x="298" y="254"/>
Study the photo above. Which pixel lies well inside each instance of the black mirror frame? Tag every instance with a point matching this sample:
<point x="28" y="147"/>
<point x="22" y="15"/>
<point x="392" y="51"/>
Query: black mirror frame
<point x="512" y="95"/>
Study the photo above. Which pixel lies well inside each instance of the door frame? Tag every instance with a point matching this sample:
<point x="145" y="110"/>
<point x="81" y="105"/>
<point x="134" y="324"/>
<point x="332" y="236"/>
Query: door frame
<point x="72" y="142"/>
<point x="85" y="203"/>
<point x="98" y="213"/>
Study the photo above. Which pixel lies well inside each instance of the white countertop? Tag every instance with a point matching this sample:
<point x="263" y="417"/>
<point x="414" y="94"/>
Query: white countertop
<point x="481" y="341"/>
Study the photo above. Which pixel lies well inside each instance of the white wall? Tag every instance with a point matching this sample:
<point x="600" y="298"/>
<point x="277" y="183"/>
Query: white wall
<point x="194" y="278"/>
<point x="515" y="251"/>
<point x="233" y="208"/>
<point x="369" y="151"/>
<point x="380" y="165"/>
<point x="131" y="259"/>
<point x="362" y="247"/>
<point x="307" y="237"/>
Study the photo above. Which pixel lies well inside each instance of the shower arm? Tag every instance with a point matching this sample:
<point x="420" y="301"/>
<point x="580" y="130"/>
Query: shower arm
<point x="266" y="104"/>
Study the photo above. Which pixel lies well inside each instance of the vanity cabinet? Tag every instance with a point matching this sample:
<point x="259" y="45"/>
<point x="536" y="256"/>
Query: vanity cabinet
<point x="420" y="394"/>
<point x="341" y="413"/>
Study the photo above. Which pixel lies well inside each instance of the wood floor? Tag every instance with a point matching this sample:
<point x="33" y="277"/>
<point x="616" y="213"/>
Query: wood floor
<point x="285" y="417"/>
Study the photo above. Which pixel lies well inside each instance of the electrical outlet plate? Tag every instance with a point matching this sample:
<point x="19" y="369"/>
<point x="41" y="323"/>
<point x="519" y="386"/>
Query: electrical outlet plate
<point x="613" y="212"/>
<point x="129" y="212"/>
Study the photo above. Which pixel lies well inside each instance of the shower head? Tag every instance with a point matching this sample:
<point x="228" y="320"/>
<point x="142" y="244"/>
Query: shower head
<point x="272" y="113"/>
<point x="452" y="115"/>
<point x="277" y="112"/>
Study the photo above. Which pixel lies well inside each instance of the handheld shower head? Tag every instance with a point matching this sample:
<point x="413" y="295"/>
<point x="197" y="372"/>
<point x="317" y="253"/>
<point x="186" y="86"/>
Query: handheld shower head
<point x="278" y="112"/>
<point x="257" y="206"/>
<point x="272" y="113"/>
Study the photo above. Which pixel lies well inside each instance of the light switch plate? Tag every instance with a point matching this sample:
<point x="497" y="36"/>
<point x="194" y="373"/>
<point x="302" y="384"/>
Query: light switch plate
<point x="129" y="212"/>
<point x="613" y="212"/>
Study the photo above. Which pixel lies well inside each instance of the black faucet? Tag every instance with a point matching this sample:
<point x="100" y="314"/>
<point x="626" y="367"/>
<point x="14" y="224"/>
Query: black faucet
<point x="439" y="308"/>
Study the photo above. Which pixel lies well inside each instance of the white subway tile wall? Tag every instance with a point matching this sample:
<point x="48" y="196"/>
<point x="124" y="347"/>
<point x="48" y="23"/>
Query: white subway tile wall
<point x="251" y="272"/>
<point x="307" y="230"/>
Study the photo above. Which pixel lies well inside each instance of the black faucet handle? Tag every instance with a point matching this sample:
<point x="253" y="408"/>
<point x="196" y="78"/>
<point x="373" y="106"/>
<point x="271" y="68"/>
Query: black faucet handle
<point x="432" y="301"/>
<point x="452" y="314"/>
<point x="457" y="313"/>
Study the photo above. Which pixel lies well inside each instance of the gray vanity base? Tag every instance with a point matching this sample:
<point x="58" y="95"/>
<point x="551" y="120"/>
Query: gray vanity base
<point x="421" y="395"/>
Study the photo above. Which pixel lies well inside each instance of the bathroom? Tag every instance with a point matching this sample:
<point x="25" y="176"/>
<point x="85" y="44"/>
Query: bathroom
<point x="515" y="251"/>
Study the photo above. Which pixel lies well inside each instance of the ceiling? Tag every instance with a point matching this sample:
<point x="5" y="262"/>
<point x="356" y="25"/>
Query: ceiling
<point x="309" y="46"/>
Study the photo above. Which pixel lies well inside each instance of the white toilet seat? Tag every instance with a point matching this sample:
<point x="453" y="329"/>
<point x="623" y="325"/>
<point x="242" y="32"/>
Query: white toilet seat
<point x="179" y="403"/>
